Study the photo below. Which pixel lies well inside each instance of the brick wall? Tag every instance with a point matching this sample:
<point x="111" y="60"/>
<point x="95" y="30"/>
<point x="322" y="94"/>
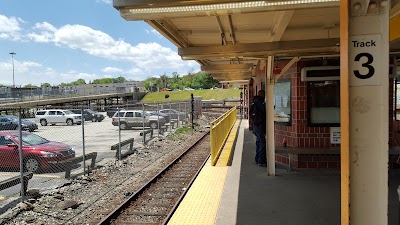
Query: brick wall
<point x="299" y="134"/>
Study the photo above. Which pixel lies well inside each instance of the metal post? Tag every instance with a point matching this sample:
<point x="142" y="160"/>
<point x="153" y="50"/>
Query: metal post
<point x="241" y="104"/>
<point x="158" y="121"/>
<point x="179" y="115"/>
<point x="119" y="135"/>
<point x="186" y="119"/>
<point x="170" y="127"/>
<point x="83" y="140"/>
<point x="192" y="113"/>
<point x="21" y="164"/>
<point x="144" y="135"/>
<point x="12" y="57"/>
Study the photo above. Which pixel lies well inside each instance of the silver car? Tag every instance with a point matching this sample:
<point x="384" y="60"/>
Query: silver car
<point x="136" y="118"/>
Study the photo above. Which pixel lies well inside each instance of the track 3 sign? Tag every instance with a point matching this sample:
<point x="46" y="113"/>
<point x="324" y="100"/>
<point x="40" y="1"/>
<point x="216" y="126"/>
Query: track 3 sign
<point x="365" y="58"/>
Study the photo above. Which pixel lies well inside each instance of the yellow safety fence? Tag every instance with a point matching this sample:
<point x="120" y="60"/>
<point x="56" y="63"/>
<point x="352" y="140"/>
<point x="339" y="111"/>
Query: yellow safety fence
<point x="219" y="132"/>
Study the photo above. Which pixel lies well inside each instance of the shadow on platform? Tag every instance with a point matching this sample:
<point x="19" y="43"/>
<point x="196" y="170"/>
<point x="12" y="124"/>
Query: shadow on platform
<point x="305" y="197"/>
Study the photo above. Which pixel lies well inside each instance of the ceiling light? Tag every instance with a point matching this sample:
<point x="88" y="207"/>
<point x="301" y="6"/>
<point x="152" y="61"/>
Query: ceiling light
<point x="224" y="8"/>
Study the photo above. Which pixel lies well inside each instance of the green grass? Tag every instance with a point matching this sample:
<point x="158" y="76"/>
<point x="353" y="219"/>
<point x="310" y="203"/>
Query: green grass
<point x="178" y="134"/>
<point x="212" y="94"/>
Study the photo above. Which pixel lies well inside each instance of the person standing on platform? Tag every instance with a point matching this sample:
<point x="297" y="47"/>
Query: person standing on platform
<point x="258" y="120"/>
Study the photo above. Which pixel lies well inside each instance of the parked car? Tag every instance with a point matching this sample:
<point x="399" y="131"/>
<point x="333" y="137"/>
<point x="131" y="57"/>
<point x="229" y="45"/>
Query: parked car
<point x="135" y="118"/>
<point x="37" y="152"/>
<point x="111" y="111"/>
<point x="89" y="115"/>
<point x="54" y="116"/>
<point x="155" y="113"/>
<point x="174" y="114"/>
<point x="10" y="122"/>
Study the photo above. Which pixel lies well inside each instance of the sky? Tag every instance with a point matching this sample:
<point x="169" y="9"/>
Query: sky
<point x="61" y="41"/>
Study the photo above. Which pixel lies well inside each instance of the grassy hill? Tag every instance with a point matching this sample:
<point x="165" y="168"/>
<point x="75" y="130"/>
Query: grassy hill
<point x="211" y="94"/>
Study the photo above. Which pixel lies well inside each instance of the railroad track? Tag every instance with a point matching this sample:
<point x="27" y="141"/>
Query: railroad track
<point x="156" y="201"/>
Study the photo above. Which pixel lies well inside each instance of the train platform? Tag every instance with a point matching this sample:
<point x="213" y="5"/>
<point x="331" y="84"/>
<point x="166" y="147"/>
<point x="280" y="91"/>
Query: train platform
<point x="244" y="194"/>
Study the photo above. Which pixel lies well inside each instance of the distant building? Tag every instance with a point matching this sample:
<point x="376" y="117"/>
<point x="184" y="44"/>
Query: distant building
<point x="88" y="89"/>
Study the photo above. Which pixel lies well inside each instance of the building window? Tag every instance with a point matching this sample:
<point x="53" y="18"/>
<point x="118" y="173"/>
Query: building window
<point x="396" y="98"/>
<point x="282" y="102"/>
<point x="323" y="98"/>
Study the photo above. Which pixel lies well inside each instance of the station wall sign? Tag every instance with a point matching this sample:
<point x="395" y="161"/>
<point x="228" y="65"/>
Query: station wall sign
<point x="335" y="135"/>
<point x="365" y="60"/>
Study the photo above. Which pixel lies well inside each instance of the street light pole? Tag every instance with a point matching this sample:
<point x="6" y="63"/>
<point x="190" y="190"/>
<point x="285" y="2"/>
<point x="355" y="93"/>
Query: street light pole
<point x="12" y="56"/>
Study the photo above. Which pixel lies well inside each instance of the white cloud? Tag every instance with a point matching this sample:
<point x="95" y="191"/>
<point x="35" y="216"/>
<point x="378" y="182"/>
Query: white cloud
<point x="135" y="71"/>
<point x="146" y="56"/>
<point x="144" y="59"/>
<point x="105" y="1"/>
<point x="74" y="75"/>
<point x="10" y="28"/>
<point x="112" y="70"/>
<point x="154" y="32"/>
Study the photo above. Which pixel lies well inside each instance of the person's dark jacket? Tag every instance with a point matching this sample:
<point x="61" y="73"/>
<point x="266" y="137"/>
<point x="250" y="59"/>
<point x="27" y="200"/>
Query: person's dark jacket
<point x="260" y="103"/>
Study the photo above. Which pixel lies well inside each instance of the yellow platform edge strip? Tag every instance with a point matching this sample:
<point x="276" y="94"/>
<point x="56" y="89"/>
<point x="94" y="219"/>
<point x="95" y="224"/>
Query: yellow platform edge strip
<point x="201" y="203"/>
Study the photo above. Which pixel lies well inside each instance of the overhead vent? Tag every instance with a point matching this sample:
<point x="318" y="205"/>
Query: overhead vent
<point x="320" y="73"/>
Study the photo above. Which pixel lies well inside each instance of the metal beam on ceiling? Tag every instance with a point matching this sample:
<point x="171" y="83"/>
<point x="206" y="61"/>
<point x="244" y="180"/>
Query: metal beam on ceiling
<point x="227" y="68"/>
<point x="169" y="32"/>
<point x="395" y="10"/>
<point x="232" y="76"/>
<point x="282" y="48"/>
<point x="235" y="82"/>
<point x="281" y="21"/>
<point x="221" y="31"/>
<point x="231" y="29"/>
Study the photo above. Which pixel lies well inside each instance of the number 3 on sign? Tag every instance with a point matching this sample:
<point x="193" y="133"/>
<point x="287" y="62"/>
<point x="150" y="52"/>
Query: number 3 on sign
<point x="370" y="69"/>
<point x="365" y="60"/>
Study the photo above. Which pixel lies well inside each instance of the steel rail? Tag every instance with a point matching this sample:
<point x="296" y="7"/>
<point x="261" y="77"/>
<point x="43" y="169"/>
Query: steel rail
<point x="117" y="211"/>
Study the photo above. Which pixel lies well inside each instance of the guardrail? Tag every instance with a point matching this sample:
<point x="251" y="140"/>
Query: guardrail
<point x="219" y="132"/>
<point x="144" y="132"/>
<point x="70" y="162"/>
<point x="17" y="180"/>
<point x="120" y="145"/>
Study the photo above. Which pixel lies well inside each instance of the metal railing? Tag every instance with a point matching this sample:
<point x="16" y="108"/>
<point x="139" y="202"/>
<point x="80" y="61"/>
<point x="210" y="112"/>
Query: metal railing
<point x="219" y="132"/>
<point x="35" y="95"/>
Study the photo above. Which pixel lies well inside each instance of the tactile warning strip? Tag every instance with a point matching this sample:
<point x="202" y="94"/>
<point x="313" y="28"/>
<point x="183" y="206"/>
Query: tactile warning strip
<point x="200" y="205"/>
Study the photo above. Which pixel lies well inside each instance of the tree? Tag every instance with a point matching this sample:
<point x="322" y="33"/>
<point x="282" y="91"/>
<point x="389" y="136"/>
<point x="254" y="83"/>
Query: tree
<point x="65" y="84"/>
<point x="151" y="83"/>
<point x="164" y="80"/>
<point x="119" y="79"/>
<point x="202" y="80"/>
<point x="45" y="85"/>
<point x="103" y="81"/>
<point x="187" y="80"/>
<point x="176" y="81"/>
<point x="78" y="82"/>
<point x="30" y="86"/>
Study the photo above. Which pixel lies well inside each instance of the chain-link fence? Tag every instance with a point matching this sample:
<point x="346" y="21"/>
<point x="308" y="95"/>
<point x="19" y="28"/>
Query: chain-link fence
<point x="62" y="142"/>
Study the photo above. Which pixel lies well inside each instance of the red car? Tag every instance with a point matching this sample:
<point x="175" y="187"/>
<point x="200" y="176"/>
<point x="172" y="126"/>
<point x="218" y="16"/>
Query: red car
<point x="38" y="152"/>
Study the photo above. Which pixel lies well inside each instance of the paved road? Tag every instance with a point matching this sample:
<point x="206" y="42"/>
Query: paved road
<point x="99" y="136"/>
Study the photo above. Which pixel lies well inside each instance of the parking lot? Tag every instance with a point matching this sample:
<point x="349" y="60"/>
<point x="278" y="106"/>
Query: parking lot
<point x="98" y="137"/>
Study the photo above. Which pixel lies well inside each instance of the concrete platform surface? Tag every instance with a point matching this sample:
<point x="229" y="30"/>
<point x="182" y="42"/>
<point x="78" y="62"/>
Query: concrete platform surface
<point x="306" y="197"/>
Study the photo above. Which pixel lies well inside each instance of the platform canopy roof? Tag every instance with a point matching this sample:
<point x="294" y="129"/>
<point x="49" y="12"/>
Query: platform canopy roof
<point x="228" y="37"/>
